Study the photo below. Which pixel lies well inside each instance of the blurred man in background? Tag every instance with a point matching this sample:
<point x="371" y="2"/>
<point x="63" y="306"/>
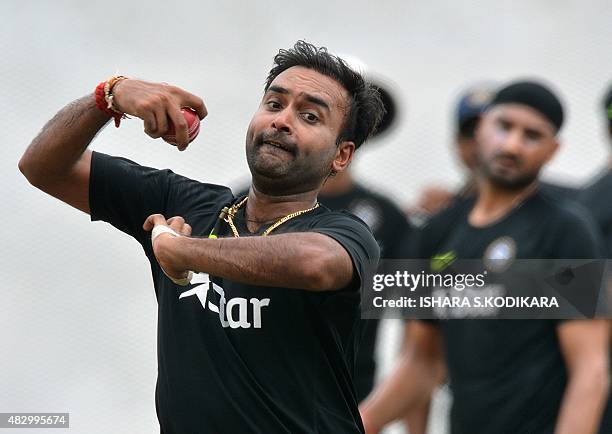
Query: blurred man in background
<point x="596" y="198"/>
<point x="391" y="230"/>
<point x="388" y="223"/>
<point x="472" y="103"/>
<point x="507" y="376"/>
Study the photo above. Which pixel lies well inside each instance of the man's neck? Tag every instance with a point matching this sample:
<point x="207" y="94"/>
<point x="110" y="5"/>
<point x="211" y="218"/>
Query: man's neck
<point x="494" y="203"/>
<point x="337" y="185"/>
<point x="262" y="208"/>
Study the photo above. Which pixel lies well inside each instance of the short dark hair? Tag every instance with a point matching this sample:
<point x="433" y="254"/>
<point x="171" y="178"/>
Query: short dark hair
<point x="467" y="129"/>
<point x="366" y="107"/>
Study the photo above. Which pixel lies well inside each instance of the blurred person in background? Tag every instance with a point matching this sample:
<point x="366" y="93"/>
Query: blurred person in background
<point x="596" y="198"/>
<point x="388" y="223"/>
<point x="472" y="103"/>
<point x="393" y="233"/>
<point x="507" y="376"/>
<point x="433" y="199"/>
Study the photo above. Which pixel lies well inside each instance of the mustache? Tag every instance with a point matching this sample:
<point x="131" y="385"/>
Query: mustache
<point x="509" y="157"/>
<point x="278" y="138"/>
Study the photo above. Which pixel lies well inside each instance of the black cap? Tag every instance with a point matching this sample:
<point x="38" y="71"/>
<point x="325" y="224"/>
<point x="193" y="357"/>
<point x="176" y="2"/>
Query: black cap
<point x="534" y="95"/>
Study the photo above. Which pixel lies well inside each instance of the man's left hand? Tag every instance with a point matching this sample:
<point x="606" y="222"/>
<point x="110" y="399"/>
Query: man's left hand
<point x="164" y="243"/>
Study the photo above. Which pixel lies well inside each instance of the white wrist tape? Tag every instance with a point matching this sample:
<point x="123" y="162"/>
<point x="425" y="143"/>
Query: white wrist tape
<point x="156" y="232"/>
<point x="181" y="282"/>
<point x="161" y="229"/>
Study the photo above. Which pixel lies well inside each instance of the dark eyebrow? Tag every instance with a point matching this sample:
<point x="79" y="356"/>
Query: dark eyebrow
<point x="277" y="89"/>
<point x="534" y="133"/>
<point x="310" y="98"/>
<point x="318" y="101"/>
<point x="503" y="120"/>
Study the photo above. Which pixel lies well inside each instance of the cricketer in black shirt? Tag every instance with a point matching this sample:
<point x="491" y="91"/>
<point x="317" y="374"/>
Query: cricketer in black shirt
<point x="258" y="296"/>
<point x="508" y="376"/>
<point x="237" y="358"/>
<point x="593" y="197"/>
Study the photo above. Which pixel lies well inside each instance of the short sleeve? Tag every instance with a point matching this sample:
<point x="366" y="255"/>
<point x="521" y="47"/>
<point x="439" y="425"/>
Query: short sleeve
<point x="124" y="193"/>
<point x="356" y="238"/>
<point x="577" y="236"/>
<point x="581" y="237"/>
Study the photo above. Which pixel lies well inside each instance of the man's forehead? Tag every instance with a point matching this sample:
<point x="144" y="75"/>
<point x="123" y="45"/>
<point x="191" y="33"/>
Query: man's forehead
<point x="301" y="81"/>
<point x="524" y="114"/>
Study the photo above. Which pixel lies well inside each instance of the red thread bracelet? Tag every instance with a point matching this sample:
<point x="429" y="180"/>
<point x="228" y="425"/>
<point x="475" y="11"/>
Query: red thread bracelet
<point x="102" y="100"/>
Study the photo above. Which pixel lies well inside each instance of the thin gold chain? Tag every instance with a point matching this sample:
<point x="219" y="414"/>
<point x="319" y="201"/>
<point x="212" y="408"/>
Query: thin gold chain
<point x="231" y="213"/>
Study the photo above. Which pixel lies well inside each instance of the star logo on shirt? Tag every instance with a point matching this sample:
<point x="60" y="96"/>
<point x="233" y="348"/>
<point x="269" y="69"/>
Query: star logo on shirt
<point x="235" y="312"/>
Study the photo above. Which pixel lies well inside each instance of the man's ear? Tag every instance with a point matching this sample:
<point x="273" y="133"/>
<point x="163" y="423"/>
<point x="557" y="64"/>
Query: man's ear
<point x="553" y="150"/>
<point x="344" y="155"/>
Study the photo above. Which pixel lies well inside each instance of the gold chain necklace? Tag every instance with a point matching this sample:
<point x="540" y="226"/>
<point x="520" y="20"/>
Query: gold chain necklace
<point x="228" y="215"/>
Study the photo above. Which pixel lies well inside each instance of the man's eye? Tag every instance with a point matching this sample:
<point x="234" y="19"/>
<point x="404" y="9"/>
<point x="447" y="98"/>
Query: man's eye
<point x="273" y="104"/>
<point x="310" y="117"/>
<point x="504" y="125"/>
<point x="533" y="135"/>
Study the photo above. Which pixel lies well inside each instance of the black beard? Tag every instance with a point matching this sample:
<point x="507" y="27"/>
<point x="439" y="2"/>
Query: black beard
<point x="299" y="174"/>
<point x="516" y="184"/>
<point x="502" y="182"/>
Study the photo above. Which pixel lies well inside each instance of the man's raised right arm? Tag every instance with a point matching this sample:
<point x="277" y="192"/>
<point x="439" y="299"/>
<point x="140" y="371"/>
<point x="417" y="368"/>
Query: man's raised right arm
<point x="58" y="162"/>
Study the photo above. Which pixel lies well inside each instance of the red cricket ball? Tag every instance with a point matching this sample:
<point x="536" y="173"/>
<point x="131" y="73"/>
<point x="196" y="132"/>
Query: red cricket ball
<point x="193" y="126"/>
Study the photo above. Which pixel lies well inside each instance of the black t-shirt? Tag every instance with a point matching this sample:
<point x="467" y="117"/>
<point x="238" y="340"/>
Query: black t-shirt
<point x="595" y="197"/>
<point x="559" y="191"/>
<point x="508" y="376"/>
<point x="237" y="358"/>
<point x="393" y="233"/>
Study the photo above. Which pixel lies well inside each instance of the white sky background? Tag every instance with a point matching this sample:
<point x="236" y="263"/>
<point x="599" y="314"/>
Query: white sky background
<point x="77" y="309"/>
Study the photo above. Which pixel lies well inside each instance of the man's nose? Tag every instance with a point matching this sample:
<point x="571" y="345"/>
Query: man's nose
<point x="512" y="142"/>
<point x="282" y="121"/>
